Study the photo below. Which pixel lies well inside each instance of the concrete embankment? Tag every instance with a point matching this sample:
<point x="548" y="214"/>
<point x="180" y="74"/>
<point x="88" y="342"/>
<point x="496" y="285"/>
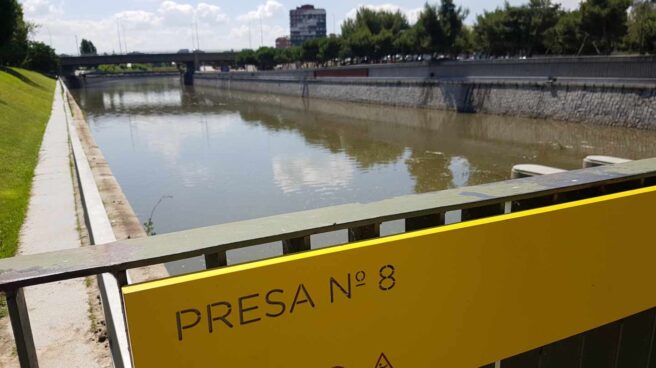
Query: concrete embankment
<point x="610" y="91"/>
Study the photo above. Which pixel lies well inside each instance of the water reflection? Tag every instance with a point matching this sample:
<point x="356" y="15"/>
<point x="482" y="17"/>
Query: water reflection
<point x="227" y="156"/>
<point x="323" y="174"/>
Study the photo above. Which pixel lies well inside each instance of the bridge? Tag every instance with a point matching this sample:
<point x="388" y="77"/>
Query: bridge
<point x="192" y="61"/>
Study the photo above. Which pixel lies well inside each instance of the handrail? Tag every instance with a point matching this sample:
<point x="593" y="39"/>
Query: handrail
<point x="475" y="201"/>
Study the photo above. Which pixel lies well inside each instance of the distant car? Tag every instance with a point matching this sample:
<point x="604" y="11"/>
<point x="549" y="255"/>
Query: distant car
<point x="183" y="51"/>
<point x="135" y="53"/>
<point x="198" y="51"/>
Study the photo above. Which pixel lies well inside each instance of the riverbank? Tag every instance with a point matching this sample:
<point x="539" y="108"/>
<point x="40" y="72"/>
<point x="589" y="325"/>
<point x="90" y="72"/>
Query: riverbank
<point x="601" y="102"/>
<point x="25" y="105"/>
<point x="64" y="316"/>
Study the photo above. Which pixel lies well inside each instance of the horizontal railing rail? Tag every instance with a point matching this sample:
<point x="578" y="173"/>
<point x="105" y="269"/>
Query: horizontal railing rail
<point x="361" y="220"/>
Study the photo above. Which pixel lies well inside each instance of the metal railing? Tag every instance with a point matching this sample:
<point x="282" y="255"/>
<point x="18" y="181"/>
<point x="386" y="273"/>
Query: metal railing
<point x="361" y="221"/>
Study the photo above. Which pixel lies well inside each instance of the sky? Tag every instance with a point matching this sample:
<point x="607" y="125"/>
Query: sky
<point x="156" y="25"/>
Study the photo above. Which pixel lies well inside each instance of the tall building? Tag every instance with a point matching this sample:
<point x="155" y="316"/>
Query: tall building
<point x="283" y="42"/>
<point x="306" y="22"/>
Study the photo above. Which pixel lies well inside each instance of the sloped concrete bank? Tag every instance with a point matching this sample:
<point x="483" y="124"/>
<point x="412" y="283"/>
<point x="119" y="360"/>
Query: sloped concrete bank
<point x="622" y="104"/>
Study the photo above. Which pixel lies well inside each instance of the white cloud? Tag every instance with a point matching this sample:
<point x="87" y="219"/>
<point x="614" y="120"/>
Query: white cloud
<point x="211" y="13"/>
<point x="263" y="11"/>
<point x="42" y="8"/>
<point x="167" y="28"/>
<point x="268" y="33"/>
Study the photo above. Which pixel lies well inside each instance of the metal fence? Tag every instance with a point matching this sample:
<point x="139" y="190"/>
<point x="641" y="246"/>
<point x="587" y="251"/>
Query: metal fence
<point x="361" y="221"/>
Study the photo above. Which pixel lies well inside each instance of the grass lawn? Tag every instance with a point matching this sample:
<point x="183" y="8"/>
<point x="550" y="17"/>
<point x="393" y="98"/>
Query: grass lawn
<point x="25" y="104"/>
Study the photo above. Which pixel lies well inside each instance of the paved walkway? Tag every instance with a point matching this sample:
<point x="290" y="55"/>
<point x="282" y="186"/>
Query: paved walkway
<point x="59" y="312"/>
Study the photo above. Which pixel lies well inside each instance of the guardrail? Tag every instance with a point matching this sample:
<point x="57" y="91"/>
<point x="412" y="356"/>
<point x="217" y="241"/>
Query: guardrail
<point x="294" y="231"/>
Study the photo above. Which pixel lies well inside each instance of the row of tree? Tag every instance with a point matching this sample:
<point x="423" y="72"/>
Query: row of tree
<point x="539" y="27"/>
<point x="15" y="47"/>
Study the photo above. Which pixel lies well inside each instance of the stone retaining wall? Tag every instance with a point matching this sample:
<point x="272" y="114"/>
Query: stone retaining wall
<point x="598" y="103"/>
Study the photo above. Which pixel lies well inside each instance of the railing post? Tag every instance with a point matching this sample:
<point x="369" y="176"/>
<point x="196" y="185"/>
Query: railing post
<point x="216" y="260"/>
<point x="363" y="232"/>
<point x="295" y="245"/>
<point x="423" y="222"/>
<point x="483" y="211"/>
<point x="20" y="323"/>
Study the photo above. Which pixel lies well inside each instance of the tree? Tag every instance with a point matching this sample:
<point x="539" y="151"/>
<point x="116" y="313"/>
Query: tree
<point x="431" y="37"/>
<point x="451" y="20"/>
<point x="10" y="13"/>
<point x="13" y="52"/>
<point x="310" y="50"/>
<point x="407" y="41"/>
<point x="516" y="30"/>
<point x="41" y="57"/>
<point x="372" y="33"/>
<point x="543" y="15"/>
<point x="87" y="48"/>
<point x="491" y="33"/>
<point x="604" y="23"/>
<point x="265" y="58"/>
<point x="641" y="34"/>
<point x="464" y="42"/>
<point x="246" y="57"/>
<point x="566" y="37"/>
<point x="329" y="48"/>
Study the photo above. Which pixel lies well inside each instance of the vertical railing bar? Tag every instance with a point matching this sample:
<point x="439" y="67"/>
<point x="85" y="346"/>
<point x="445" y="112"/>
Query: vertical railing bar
<point x="619" y="343"/>
<point x="216" y="260"/>
<point x="650" y="354"/>
<point x="365" y="232"/>
<point x="296" y="245"/>
<point x="20" y="323"/>
<point x="121" y="278"/>
<point x="424" y="222"/>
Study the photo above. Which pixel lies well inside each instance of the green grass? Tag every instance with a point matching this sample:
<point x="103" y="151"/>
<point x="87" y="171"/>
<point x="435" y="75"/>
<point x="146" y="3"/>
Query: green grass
<point x="25" y="104"/>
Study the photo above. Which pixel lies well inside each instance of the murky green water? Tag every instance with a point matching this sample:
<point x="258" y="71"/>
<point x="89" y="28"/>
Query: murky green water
<point x="218" y="157"/>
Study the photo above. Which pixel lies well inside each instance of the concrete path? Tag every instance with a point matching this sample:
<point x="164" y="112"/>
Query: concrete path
<point x="59" y="312"/>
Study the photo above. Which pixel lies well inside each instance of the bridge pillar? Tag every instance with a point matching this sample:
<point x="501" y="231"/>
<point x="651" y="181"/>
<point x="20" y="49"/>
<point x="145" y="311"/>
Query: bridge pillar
<point x="72" y="80"/>
<point x="188" y="76"/>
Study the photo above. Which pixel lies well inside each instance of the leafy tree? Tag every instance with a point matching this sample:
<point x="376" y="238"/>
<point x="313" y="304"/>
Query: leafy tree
<point x="10" y="13"/>
<point x="431" y="35"/>
<point x="361" y="43"/>
<point x="641" y="34"/>
<point x="14" y="51"/>
<point x="372" y="33"/>
<point x="516" y="30"/>
<point x="265" y="58"/>
<point x="87" y="48"/>
<point x="464" y="42"/>
<point x="566" y="36"/>
<point x="451" y="18"/>
<point x="543" y="15"/>
<point x="407" y="41"/>
<point x="375" y="21"/>
<point x="329" y="48"/>
<point x="604" y="23"/>
<point x="293" y="54"/>
<point x="310" y="50"/>
<point x="41" y="57"/>
<point x="491" y="33"/>
<point x="246" y="57"/>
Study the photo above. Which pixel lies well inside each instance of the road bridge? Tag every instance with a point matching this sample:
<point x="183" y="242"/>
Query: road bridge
<point x="192" y="61"/>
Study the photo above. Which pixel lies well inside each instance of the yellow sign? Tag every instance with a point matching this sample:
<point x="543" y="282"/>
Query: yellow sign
<point x="461" y="295"/>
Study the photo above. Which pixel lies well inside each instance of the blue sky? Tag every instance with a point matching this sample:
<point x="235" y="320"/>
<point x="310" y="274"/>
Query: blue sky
<point x="155" y="25"/>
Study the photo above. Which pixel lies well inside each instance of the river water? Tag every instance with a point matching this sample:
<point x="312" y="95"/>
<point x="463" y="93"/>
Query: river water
<point x="214" y="157"/>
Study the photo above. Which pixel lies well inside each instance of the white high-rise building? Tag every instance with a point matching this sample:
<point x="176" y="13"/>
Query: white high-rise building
<point x="306" y="22"/>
